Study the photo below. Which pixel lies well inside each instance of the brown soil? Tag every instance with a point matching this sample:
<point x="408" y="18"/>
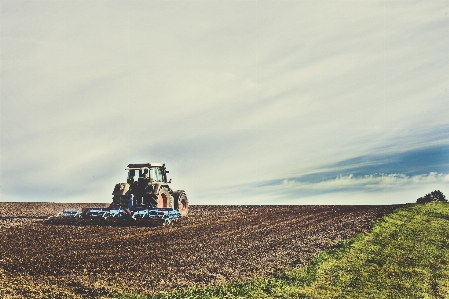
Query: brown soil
<point x="214" y="244"/>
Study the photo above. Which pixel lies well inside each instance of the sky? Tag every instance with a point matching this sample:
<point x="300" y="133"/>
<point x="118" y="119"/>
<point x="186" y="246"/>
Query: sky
<point x="246" y="102"/>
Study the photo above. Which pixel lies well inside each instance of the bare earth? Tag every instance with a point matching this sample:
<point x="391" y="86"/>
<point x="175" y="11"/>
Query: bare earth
<point x="214" y="244"/>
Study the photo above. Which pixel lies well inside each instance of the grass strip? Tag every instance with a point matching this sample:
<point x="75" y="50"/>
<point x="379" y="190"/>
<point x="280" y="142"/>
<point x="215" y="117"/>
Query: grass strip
<point x="405" y="255"/>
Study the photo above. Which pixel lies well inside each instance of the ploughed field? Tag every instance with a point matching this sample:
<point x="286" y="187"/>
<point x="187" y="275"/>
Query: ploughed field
<point x="214" y="244"/>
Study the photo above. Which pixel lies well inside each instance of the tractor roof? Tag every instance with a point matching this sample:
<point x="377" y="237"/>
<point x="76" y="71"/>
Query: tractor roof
<point x="145" y="165"/>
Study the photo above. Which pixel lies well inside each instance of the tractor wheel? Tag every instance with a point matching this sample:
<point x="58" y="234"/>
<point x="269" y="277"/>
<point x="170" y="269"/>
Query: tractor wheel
<point x="164" y="198"/>
<point x="181" y="202"/>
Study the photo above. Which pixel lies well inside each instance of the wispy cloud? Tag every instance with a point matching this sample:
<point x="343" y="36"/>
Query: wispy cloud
<point x="375" y="182"/>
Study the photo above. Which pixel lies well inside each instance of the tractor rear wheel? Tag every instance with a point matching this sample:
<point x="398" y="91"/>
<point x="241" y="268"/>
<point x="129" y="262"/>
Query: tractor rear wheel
<point x="181" y="202"/>
<point x="164" y="198"/>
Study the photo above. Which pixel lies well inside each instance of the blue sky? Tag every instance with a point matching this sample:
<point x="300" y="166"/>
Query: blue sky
<point x="247" y="102"/>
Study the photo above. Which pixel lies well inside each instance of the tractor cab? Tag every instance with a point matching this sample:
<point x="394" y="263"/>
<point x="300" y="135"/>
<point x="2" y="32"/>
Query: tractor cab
<point x="150" y="172"/>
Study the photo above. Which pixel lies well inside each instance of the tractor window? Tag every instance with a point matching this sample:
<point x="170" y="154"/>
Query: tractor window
<point x="134" y="174"/>
<point x="156" y="174"/>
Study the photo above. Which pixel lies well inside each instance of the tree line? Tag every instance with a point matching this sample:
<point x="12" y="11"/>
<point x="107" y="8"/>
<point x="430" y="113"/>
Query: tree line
<point x="436" y="195"/>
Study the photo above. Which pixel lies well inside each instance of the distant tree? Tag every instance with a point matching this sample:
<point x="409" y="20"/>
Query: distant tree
<point x="436" y="195"/>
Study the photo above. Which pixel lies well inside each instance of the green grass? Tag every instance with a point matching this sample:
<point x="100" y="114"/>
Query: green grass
<point x="405" y="255"/>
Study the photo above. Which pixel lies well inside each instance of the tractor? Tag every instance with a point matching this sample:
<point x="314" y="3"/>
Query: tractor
<point x="146" y="192"/>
